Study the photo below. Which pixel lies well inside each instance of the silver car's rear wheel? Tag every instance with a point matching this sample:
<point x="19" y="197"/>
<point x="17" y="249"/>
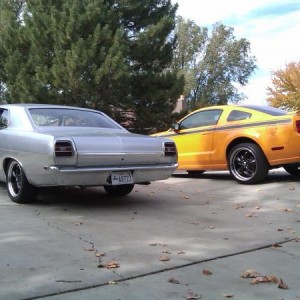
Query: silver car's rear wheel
<point x="18" y="187"/>
<point x="119" y="190"/>
<point x="247" y="163"/>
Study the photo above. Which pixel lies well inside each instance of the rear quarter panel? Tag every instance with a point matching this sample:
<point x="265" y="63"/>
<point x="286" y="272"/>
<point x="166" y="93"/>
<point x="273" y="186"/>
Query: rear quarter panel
<point x="267" y="131"/>
<point x="31" y="149"/>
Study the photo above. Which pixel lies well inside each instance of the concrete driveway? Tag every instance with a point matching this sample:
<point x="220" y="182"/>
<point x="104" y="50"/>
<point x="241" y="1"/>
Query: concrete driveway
<point x="182" y="238"/>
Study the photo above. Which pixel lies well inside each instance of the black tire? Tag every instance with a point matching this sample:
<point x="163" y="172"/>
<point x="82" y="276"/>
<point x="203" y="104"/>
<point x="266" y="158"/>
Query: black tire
<point x="195" y="172"/>
<point x="18" y="187"/>
<point x="247" y="163"/>
<point x="119" y="190"/>
<point x="293" y="169"/>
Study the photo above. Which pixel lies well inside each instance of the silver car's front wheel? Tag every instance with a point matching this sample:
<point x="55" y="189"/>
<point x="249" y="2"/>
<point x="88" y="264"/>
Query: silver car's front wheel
<point x="247" y="163"/>
<point x="18" y="187"/>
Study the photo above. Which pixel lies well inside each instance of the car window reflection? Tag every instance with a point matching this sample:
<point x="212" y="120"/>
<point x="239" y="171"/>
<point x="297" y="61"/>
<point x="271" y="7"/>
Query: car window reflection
<point x="202" y="118"/>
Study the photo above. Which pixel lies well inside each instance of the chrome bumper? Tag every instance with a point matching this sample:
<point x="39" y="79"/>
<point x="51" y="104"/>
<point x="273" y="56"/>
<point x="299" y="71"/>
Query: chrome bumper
<point x="95" y="176"/>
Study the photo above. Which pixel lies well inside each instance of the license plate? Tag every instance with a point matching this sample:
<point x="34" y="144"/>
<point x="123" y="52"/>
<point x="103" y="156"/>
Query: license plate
<point x="118" y="178"/>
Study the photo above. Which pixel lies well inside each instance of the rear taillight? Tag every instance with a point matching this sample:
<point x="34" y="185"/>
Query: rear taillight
<point x="298" y="125"/>
<point x="63" y="148"/>
<point x="170" y="149"/>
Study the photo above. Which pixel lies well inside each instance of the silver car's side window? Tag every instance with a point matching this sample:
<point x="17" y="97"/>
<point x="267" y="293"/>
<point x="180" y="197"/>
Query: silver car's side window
<point x="3" y="118"/>
<point x="202" y="118"/>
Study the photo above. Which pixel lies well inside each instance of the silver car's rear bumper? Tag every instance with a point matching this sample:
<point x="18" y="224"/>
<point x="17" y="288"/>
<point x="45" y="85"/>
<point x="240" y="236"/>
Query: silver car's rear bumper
<point x="95" y="176"/>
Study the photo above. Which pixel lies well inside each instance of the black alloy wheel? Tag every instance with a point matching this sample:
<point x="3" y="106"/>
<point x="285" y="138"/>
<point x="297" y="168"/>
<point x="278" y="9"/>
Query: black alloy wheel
<point x="247" y="163"/>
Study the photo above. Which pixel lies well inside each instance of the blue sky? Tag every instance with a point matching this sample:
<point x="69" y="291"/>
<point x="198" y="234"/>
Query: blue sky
<point x="271" y="26"/>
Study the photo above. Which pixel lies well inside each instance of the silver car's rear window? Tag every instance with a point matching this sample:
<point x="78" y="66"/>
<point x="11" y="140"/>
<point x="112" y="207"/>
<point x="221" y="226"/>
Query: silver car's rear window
<point x="70" y="117"/>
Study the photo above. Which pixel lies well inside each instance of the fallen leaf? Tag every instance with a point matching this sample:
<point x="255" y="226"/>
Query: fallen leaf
<point x="279" y="229"/>
<point x="282" y="285"/>
<point x="98" y="254"/>
<point x="110" y="265"/>
<point x="259" y="279"/>
<point x="264" y="279"/>
<point x="180" y="252"/>
<point x="185" y="197"/>
<point x="206" y="272"/>
<point x="164" y="258"/>
<point x="192" y="296"/>
<point x="250" y="215"/>
<point x="89" y="249"/>
<point x="228" y="295"/>
<point x="272" y="278"/>
<point x="285" y="209"/>
<point x="173" y="280"/>
<point x="238" y="206"/>
<point x="250" y="273"/>
<point x="276" y="245"/>
<point x="158" y="244"/>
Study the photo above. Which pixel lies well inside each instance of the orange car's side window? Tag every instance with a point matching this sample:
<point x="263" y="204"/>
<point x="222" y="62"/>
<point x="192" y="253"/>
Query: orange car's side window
<point x="202" y="118"/>
<point x="238" y="115"/>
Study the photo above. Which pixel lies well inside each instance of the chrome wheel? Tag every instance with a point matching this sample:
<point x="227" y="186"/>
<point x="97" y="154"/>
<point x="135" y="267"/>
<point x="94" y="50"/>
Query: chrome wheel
<point x="18" y="187"/>
<point x="247" y="163"/>
<point x="14" y="179"/>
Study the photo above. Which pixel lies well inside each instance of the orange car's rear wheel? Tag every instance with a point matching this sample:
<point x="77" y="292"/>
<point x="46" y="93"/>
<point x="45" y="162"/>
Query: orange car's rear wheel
<point x="247" y="163"/>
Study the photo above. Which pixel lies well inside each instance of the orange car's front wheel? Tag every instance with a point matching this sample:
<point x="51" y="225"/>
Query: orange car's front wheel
<point x="247" y="163"/>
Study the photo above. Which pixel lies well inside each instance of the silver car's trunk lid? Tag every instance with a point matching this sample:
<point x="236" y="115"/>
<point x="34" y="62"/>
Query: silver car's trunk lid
<point x="111" y="149"/>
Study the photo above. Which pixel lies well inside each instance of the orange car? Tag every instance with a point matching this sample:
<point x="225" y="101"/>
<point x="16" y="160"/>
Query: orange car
<point x="247" y="140"/>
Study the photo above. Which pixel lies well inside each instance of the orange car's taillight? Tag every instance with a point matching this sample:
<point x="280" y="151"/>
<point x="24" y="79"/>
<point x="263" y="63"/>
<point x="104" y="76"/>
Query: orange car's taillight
<point x="298" y="126"/>
<point x="170" y="149"/>
<point x="63" y="148"/>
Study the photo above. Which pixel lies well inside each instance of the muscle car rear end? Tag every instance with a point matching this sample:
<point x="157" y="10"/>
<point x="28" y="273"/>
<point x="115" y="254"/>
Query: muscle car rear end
<point x="46" y="145"/>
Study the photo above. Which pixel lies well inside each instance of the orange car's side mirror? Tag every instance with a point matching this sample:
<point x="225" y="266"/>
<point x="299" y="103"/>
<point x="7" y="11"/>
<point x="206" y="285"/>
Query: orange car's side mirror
<point x="176" y="127"/>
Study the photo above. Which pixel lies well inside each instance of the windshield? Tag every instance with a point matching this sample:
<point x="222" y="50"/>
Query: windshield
<point x="71" y="117"/>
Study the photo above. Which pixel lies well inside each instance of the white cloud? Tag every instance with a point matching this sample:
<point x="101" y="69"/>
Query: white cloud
<point x="273" y="34"/>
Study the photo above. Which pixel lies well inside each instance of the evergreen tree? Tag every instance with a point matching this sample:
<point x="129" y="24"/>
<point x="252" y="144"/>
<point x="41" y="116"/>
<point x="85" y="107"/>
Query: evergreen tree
<point x="104" y="54"/>
<point x="155" y="87"/>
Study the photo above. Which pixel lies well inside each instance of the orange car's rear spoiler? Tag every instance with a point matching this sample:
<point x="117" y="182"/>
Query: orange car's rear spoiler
<point x="295" y="112"/>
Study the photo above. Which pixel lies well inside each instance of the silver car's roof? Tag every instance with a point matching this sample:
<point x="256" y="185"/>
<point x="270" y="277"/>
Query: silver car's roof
<point x="36" y="105"/>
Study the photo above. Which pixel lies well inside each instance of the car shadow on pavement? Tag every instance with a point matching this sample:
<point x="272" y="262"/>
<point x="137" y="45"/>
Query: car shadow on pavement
<point x="273" y="176"/>
<point x="88" y="197"/>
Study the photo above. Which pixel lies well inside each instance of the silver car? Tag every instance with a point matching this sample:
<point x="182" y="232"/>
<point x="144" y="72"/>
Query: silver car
<point x="53" y="145"/>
